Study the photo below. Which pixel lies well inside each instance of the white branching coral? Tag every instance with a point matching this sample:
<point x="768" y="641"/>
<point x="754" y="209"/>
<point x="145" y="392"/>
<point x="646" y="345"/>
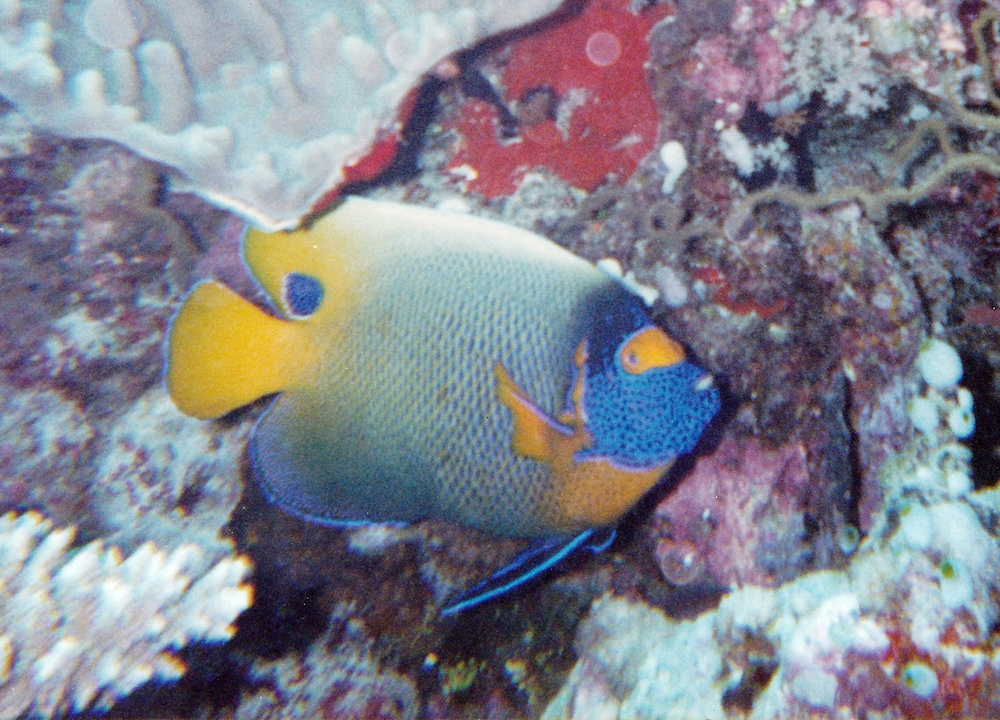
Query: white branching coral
<point x="338" y="677"/>
<point x="84" y="627"/>
<point x="257" y="105"/>
<point x="832" y="56"/>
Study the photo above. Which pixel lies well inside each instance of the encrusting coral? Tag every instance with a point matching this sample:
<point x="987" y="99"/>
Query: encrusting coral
<point x="830" y="56"/>
<point x="854" y="83"/>
<point x="258" y="106"/>
<point x="83" y="627"/>
<point x="338" y="678"/>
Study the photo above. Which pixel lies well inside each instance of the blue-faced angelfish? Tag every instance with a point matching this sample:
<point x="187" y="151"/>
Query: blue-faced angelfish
<point x="441" y="365"/>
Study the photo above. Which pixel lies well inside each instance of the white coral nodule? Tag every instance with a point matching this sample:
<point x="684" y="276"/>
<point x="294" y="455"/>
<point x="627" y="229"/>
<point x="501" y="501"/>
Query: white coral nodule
<point x="83" y="627"/>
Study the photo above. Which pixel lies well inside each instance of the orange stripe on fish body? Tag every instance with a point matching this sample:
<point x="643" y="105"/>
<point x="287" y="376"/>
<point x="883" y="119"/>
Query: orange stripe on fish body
<point x="587" y="492"/>
<point x="435" y="365"/>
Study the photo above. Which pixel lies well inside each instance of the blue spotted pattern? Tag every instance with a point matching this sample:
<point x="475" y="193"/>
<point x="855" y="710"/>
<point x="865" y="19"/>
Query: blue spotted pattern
<point x="646" y="419"/>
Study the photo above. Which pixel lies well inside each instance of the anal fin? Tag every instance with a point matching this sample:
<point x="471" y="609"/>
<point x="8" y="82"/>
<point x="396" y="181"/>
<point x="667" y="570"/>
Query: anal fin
<point x="530" y="564"/>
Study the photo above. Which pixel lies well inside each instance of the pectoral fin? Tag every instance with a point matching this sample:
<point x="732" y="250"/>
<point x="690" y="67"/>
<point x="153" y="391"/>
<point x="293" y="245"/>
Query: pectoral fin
<point x="535" y="433"/>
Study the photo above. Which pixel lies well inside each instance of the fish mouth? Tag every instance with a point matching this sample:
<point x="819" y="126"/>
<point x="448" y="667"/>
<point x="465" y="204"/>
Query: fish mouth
<point x="705" y="382"/>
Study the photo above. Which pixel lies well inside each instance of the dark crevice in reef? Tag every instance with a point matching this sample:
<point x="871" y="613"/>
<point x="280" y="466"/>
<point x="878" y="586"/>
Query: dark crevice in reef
<point x="979" y="379"/>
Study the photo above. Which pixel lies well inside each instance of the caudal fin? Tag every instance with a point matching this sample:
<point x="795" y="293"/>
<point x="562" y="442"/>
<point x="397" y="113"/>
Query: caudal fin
<point x="224" y="352"/>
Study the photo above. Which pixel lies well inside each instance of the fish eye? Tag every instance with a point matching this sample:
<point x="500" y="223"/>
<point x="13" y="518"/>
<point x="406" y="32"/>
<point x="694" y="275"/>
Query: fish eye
<point x="301" y="295"/>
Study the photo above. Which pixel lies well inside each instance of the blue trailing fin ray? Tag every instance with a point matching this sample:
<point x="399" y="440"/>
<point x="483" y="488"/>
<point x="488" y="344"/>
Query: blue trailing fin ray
<point x="536" y="560"/>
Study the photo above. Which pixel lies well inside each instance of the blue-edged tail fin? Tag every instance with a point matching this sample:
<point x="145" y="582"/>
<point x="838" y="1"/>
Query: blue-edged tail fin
<point x="527" y="566"/>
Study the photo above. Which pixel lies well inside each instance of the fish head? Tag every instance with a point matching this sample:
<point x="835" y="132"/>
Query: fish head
<point x="642" y="401"/>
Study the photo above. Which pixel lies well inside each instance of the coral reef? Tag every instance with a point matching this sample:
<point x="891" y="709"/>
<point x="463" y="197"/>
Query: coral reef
<point x="46" y="436"/>
<point x="833" y="58"/>
<point x="905" y="630"/>
<point x="732" y="521"/>
<point x="808" y="208"/>
<point x="165" y="477"/>
<point x="80" y="628"/>
<point x="338" y="678"/>
<point x="586" y="113"/>
<point x="94" y="258"/>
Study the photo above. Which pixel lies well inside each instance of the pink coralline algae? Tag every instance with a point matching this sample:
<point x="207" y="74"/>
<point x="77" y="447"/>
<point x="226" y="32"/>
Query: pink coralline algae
<point x="732" y="86"/>
<point x="722" y="522"/>
<point x="599" y="118"/>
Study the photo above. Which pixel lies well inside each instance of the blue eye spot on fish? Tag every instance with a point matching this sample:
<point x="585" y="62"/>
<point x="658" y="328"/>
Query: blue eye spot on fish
<point x="438" y="365"/>
<point x="301" y="295"/>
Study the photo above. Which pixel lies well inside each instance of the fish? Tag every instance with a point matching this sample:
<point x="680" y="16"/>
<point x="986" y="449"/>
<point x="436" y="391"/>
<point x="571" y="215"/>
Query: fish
<point x="438" y="365"/>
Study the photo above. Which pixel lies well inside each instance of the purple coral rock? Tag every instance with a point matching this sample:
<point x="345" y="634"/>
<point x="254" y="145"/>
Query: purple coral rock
<point x="727" y="516"/>
<point x="731" y="85"/>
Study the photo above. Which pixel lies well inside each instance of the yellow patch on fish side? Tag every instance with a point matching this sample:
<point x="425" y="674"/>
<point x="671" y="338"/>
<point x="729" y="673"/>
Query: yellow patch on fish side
<point x="597" y="492"/>
<point x="589" y="492"/>
<point x="224" y="352"/>
<point x="650" y="348"/>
